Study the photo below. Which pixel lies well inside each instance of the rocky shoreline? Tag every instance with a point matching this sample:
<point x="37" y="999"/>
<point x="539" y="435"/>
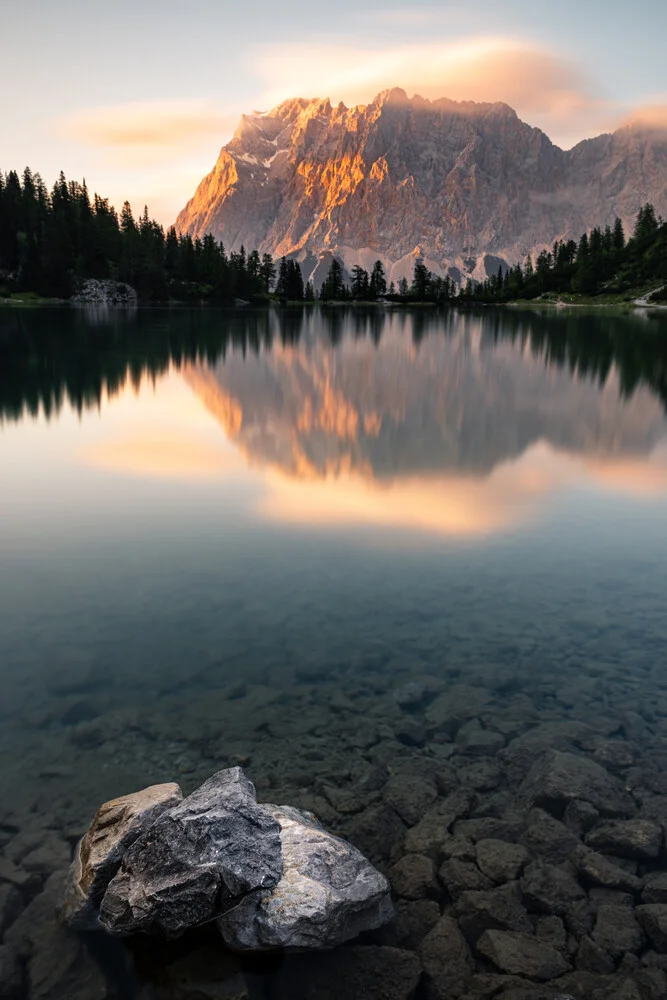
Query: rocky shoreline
<point x="520" y="823"/>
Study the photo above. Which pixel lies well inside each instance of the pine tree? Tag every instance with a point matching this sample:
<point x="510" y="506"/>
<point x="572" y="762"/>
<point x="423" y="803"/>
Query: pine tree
<point x="334" y="286"/>
<point x="378" y="281"/>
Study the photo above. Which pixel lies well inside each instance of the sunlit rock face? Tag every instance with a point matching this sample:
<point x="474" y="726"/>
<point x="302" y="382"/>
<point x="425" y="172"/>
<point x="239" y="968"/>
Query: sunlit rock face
<point x="464" y="185"/>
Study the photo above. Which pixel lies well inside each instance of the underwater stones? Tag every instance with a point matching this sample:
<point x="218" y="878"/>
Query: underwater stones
<point x="413" y="877"/>
<point x="376" y="831"/>
<point x="433" y="828"/>
<point x="462" y="876"/>
<point x="478" y="911"/>
<point x="327" y="894"/>
<point x="593" y="867"/>
<point x="11" y="905"/>
<point x="409" y="796"/>
<point x="550" y="889"/>
<point x="446" y="960"/>
<point x="522" y="955"/>
<point x="653" y="918"/>
<point x="117" y="824"/>
<point x="207" y="973"/>
<point x="413" y="919"/>
<point x="632" y="838"/>
<point x="500" y="861"/>
<point x="455" y="706"/>
<point x="547" y="838"/>
<point x="216" y="845"/>
<point x="655" y="888"/>
<point x="372" y="972"/>
<point x="617" y="931"/>
<point x="559" y="778"/>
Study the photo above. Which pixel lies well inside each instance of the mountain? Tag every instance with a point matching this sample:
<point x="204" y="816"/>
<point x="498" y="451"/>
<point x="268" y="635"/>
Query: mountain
<point x="463" y="185"/>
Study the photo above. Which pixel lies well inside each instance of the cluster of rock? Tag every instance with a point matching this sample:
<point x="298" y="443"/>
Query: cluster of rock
<point x="520" y="824"/>
<point x="96" y="292"/>
<point x="271" y="876"/>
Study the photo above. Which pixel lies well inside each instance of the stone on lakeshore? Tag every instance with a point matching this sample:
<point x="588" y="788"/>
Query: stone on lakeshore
<point x="631" y="838"/>
<point x="105" y="292"/>
<point x="521" y="955"/>
<point x="214" y="847"/>
<point x="116" y="826"/>
<point x="559" y="778"/>
<point x="328" y="893"/>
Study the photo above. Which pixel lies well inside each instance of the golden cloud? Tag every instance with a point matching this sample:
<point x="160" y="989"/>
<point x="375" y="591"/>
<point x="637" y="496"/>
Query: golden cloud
<point x="162" y="124"/>
<point x="536" y="82"/>
<point x="649" y="116"/>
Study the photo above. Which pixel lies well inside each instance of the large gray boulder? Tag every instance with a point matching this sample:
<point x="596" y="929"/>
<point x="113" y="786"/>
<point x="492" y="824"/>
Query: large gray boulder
<point x="328" y="892"/>
<point x="115" y="827"/>
<point x="201" y="857"/>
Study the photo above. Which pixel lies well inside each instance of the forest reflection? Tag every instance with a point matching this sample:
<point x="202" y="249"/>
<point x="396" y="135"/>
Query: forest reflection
<point x="52" y="357"/>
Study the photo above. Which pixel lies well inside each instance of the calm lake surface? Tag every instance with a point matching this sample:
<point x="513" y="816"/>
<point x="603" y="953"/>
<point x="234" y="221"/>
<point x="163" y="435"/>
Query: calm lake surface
<point x="235" y="537"/>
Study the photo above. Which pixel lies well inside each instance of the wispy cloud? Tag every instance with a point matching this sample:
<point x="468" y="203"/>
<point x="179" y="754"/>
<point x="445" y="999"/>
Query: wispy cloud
<point x="147" y="124"/>
<point x="541" y="85"/>
<point x="650" y="116"/>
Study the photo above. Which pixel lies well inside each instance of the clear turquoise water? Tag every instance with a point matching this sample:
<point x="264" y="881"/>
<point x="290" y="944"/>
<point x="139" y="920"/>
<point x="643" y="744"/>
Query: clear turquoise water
<point x="306" y="503"/>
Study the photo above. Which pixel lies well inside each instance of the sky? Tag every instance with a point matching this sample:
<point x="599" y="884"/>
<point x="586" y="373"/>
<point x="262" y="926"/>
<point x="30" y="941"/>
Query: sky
<point x="138" y="96"/>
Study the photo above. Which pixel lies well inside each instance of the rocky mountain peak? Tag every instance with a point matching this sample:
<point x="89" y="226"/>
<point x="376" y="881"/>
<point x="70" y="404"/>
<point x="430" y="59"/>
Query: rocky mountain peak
<point x="468" y="183"/>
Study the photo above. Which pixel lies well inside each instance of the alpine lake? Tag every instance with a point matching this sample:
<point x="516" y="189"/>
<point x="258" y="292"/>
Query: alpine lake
<point x="386" y="561"/>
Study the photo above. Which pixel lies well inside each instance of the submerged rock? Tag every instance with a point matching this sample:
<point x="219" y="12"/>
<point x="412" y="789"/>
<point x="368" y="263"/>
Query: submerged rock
<point x="99" y="853"/>
<point x="214" y="847"/>
<point x="632" y="838"/>
<point x="521" y="955"/>
<point x="328" y="893"/>
<point x="559" y="778"/>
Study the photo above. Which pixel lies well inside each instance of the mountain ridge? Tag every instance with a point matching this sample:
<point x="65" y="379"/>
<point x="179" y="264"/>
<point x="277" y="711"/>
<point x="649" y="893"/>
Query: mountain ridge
<point x="464" y="185"/>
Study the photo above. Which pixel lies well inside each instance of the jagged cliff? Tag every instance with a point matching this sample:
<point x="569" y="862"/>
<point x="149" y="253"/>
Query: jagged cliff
<point x="461" y="184"/>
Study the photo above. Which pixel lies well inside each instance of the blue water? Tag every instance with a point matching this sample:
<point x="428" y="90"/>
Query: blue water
<point x="230" y="537"/>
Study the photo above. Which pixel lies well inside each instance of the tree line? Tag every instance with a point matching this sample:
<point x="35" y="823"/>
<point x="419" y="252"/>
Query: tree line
<point x="601" y="262"/>
<point x="51" y="240"/>
<point x="68" y="360"/>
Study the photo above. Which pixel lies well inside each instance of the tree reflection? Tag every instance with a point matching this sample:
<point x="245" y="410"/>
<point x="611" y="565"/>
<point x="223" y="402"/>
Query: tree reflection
<point x="48" y="357"/>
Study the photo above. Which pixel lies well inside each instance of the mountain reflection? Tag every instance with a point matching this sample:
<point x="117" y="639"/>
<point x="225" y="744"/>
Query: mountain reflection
<point x="464" y="401"/>
<point x="459" y="422"/>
